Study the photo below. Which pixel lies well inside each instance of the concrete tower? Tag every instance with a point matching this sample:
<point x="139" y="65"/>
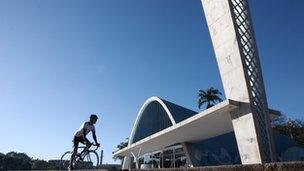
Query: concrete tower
<point x="233" y="40"/>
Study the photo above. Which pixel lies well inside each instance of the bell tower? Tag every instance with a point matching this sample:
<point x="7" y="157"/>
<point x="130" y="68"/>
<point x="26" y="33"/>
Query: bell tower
<point x="230" y="27"/>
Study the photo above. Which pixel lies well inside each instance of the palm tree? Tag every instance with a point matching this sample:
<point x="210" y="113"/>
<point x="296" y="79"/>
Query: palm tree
<point x="209" y="96"/>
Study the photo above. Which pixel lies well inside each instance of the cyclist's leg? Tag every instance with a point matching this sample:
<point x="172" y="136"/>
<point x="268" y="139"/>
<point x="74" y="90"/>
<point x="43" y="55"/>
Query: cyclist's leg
<point x="75" y="148"/>
<point x="87" y="143"/>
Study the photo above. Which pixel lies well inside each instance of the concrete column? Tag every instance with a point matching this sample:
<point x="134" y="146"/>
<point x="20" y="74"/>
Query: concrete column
<point x="188" y="159"/>
<point x="126" y="163"/>
<point x="233" y="40"/>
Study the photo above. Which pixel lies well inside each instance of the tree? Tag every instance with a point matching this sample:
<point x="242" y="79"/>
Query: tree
<point x="2" y="157"/>
<point x="53" y="165"/>
<point x="39" y="165"/>
<point x="209" y="96"/>
<point x="16" y="161"/>
<point x="294" y="128"/>
<point x="120" y="146"/>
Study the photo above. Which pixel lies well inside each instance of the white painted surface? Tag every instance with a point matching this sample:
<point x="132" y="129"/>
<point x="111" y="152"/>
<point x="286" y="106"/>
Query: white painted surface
<point x="245" y="134"/>
<point x="227" y="51"/>
<point x="206" y="124"/>
<point x="147" y="102"/>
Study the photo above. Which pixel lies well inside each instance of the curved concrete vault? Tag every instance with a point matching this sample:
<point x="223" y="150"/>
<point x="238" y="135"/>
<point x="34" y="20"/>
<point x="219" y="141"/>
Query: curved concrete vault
<point x="155" y="115"/>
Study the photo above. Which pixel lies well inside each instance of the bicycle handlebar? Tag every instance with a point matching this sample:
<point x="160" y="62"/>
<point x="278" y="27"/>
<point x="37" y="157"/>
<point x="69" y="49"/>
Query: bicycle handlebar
<point x="96" y="146"/>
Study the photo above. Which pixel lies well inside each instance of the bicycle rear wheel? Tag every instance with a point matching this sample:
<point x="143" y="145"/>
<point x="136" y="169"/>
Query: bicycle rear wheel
<point x="65" y="160"/>
<point x="90" y="161"/>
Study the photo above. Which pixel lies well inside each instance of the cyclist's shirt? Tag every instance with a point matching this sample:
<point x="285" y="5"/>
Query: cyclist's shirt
<point x="87" y="127"/>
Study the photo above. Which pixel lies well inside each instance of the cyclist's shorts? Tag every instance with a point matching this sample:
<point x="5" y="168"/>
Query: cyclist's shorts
<point x="77" y="140"/>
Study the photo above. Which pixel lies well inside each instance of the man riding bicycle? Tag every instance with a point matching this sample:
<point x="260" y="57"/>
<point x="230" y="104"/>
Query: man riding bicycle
<point x="80" y="136"/>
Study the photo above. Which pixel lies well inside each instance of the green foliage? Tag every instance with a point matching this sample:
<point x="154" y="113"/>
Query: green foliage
<point x="21" y="161"/>
<point x="39" y="165"/>
<point x="2" y="156"/>
<point x="209" y="96"/>
<point x="120" y="146"/>
<point x="15" y="161"/>
<point x="53" y="165"/>
<point x="294" y="128"/>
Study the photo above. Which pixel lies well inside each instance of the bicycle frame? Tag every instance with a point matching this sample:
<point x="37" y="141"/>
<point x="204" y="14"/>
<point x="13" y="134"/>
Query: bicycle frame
<point x="96" y="147"/>
<point x="83" y="153"/>
<point x="82" y="156"/>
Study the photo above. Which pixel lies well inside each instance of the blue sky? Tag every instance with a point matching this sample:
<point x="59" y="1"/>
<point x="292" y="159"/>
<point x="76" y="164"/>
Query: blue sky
<point x="60" y="61"/>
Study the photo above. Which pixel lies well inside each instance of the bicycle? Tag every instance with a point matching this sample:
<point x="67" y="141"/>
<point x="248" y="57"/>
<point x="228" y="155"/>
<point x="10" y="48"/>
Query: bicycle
<point x="86" y="159"/>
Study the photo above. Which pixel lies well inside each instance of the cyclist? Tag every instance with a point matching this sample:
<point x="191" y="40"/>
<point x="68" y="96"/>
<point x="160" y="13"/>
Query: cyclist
<point x="80" y="136"/>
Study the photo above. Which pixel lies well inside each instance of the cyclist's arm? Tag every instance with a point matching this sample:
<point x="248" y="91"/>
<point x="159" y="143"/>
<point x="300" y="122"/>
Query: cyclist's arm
<point x="94" y="137"/>
<point x="84" y="133"/>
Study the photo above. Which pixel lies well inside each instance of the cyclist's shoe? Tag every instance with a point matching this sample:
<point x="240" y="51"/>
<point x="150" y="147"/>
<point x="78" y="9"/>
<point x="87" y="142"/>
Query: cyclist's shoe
<point x="70" y="168"/>
<point x="79" y="157"/>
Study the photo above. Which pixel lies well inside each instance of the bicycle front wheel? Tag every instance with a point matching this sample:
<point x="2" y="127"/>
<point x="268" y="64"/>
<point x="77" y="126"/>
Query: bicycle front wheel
<point x="65" y="160"/>
<point x="90" y="161"/>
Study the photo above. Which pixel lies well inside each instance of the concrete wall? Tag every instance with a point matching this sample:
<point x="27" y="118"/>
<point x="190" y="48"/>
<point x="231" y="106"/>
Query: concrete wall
<point x="285" y="166"/>
<point x="234" y="44"/>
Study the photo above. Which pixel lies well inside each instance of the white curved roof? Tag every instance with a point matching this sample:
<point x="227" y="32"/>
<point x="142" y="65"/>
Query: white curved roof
<point x="174" y="113"/>
<point x="197" y="127"/>
<point x="206" y="124"/>
<point x="142" y="109"/>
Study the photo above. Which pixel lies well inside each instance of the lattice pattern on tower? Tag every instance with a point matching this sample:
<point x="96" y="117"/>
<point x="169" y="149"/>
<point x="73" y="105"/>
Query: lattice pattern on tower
<point x="252" y="69"/>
